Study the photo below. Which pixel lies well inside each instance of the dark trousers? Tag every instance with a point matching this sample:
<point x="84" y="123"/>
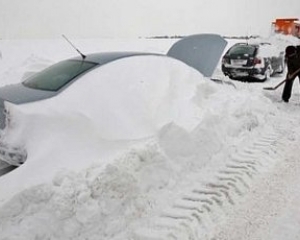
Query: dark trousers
<point x="287" y="90"/>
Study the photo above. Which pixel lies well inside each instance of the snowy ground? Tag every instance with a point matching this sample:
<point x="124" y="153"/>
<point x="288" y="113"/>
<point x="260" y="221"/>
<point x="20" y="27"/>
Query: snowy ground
<point x="233" y="175"/>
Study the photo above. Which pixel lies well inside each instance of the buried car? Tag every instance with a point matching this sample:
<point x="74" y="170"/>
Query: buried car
<point x="44" y="85"/>
<point x="256" y="61"/>
<point x="71" y="88"/>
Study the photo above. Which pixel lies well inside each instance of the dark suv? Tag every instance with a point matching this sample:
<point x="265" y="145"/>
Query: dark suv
<point x="252" y="61"/>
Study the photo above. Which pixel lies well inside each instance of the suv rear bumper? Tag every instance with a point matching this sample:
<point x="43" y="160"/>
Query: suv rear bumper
<point x="243" y="72"/>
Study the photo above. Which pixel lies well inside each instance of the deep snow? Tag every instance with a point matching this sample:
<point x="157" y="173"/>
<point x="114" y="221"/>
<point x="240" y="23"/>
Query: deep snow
<point x="188" y="168"/>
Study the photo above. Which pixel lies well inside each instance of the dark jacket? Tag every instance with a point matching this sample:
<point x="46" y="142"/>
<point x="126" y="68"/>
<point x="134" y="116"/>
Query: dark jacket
<point x="293" y="63"/>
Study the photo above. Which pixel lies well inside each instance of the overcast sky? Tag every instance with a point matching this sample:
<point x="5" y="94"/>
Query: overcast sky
<point x="138" y="18"/>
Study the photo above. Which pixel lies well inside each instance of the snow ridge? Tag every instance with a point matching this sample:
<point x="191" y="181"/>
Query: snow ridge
<point x="193" y="214"/>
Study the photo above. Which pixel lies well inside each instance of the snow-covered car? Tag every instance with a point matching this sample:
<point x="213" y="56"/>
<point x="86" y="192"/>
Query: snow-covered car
<point x="256" y="61"/>
<point x="45" y="85"/>
<point x="70" y="89"/>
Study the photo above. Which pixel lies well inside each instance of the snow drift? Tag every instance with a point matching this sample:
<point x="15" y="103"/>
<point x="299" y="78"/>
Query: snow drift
<point x="103" y="178"/>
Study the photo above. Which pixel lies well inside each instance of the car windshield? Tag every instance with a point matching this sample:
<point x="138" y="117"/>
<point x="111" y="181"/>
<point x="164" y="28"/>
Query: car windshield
<point x="58" y="75"/>
<point x="242" y="49"/>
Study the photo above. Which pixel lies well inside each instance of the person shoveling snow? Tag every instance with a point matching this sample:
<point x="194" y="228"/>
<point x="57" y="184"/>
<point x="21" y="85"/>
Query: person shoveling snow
<point x="293" y="65"/>
<point x="292" y="57"/>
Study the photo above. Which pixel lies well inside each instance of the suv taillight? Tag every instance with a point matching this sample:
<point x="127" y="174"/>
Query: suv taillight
<point x="256" y="61"/>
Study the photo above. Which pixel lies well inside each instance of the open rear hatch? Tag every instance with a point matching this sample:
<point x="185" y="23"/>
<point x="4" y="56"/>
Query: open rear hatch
<point x="202" y="52"/>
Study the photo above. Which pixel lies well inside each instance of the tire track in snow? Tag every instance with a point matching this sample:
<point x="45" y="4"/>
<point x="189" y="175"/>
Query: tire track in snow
<point x="271" y="210"/>
<point x="197" y="211"/>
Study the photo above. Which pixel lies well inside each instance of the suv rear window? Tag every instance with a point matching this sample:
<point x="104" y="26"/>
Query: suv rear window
<point x="58" y="75"/>
<point x="242" y="49"/>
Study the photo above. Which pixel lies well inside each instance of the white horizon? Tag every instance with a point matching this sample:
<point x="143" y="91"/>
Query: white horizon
<point x="138" y="18"/>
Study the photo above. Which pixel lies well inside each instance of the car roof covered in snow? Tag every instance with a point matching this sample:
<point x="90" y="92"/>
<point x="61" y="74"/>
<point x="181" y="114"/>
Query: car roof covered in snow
<point x="106" y="57"/>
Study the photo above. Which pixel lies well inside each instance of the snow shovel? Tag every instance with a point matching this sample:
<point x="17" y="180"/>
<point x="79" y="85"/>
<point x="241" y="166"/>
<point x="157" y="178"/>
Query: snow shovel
<point x="279" y="84"/>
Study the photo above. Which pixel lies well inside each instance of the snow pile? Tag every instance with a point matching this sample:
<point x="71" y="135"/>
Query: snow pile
<point x="102" y="202"/>
<point x="274" y="45"/>
<point x="108" y="198"/>
<point x="282" y="41"/>
<point x="86" y="178"/>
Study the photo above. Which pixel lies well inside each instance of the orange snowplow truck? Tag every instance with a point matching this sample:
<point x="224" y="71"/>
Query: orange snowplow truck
<point x="287" y="26"/>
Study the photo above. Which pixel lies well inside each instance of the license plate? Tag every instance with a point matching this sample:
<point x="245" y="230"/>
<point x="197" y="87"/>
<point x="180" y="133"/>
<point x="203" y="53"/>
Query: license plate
<point x="238" y="62"/>
<point x="241" y="74"/>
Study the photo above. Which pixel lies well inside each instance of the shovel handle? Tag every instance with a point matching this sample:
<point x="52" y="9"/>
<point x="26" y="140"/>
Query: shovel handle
<point x="277" y="86"/>
<point x="294" y="74"/>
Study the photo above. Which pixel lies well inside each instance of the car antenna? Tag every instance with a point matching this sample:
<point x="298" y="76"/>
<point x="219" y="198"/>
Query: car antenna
<point x="81" y="54"/>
